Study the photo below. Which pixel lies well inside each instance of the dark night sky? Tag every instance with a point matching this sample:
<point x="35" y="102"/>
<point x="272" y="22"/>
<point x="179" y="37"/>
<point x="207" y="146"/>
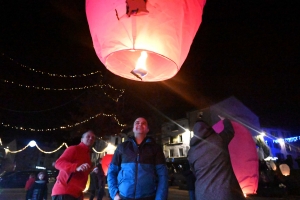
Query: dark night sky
<point x="249" y="49"/>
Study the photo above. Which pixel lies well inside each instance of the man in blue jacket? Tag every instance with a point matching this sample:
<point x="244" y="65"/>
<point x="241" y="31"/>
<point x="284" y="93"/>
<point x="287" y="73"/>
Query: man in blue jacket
<point x="138" y="170"/>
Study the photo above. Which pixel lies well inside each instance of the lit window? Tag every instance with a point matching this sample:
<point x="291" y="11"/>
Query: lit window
<point x="180" y="138"/>
<point x="181" y="152"/>
<point x="171" y="140"/>
<point x="171" y="153"/>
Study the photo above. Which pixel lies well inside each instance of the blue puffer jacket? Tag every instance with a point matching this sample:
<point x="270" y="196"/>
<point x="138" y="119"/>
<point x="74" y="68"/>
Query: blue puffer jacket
<point x="138" y="172"/>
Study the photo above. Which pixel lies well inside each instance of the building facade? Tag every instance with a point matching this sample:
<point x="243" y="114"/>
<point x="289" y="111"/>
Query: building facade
<point x="282" y="144"/>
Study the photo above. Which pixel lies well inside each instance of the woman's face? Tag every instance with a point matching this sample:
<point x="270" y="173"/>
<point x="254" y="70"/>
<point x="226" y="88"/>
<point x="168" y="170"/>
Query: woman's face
<point x="41" y="176"/>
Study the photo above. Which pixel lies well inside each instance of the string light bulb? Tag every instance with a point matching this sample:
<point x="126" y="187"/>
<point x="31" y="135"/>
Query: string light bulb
<point x="32" y="143"/>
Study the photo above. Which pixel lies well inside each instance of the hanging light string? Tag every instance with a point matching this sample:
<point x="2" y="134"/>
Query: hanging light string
<point x="50" y="152"/>
<point x="74" y="88"/>
<point x="108" y="147"/>
<point x="51" y="74"/>
<point x="64" y="127"/>
<point x="99" y="152"/>
<point x="64" y="76"/>
<point x="9" y="151"/>
<point x="47" y="152"/>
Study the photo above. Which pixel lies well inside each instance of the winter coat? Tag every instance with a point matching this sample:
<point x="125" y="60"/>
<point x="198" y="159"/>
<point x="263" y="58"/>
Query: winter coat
<point x="138" y="171"/>
<point x="210" y="161"/>
<point x="39" y="190"/>
<point x="69" y="181"/>
<point x="29" y="183"/>
<point x="101" y="176"/>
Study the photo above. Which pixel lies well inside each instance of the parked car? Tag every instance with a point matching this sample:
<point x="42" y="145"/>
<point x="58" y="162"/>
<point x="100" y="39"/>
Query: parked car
<point x="15" y="179"/>
<point x="52" y="174"/>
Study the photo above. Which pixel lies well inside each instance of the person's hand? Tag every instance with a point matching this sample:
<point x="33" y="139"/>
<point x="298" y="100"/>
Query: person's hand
<point x="83" y="167"/>
<point x="222" y="118"/>
<point x="117" y="197"/>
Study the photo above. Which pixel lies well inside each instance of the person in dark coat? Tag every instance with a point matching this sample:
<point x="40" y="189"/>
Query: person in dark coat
<point x="94" y="185"/>
<point x="97" y="182"/>
<point x="101" y="180"/>
<point x="138" y="168"/>
<point x="39" y="190"/>
<point x="210" y="161"/>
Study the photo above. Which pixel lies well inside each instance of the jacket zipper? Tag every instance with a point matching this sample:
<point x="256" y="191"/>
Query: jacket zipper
<point x="136" y="169"/>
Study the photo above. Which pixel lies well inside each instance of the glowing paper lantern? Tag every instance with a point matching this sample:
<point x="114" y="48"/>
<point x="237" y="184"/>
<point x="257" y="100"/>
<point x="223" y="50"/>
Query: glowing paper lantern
<point x="243" y="155"/>
<point x="285" y="169"/>
<point x="144" y="40"/>
<point x="106" y="161"/>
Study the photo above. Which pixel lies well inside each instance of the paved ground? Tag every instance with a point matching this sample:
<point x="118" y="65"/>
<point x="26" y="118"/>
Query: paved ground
<point x="174" y="194"/>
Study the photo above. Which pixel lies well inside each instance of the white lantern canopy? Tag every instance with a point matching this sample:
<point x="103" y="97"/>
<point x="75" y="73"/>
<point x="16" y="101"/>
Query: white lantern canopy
<point x="144" y="40"/>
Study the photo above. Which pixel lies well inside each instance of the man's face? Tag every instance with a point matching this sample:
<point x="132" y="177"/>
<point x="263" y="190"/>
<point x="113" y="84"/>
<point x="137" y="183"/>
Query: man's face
<point x="88" y="139"/>
<point x="140" y="128"/>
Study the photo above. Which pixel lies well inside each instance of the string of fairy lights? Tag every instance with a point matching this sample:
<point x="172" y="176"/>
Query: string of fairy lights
<point x="63" y="89"/>
<point x="66" y="126"/>
<point x="68" y="89"/>
<point x="51" y="74"/>
<point x="63" y="76"/>
<point x="32" y="143"/>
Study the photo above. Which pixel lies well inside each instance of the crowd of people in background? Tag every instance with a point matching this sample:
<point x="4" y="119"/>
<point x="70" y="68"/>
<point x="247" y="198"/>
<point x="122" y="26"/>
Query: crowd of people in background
<point x="37" y="189"/>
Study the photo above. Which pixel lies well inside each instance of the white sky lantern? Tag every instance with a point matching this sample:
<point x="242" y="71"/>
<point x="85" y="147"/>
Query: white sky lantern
<point x="285" y="169"/>
<point x="157" y="32"/>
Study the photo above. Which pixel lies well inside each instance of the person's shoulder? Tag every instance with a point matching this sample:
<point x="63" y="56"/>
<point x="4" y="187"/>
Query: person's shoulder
<point x="71" y="148"/>
<point x="125" y="144"/>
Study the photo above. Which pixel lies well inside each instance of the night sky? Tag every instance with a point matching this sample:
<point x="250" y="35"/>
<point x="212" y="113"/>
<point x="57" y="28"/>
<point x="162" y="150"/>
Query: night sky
<point x="246" y="49"/>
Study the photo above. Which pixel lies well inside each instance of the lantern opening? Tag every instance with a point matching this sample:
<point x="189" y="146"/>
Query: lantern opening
<point x="134" y="64"/>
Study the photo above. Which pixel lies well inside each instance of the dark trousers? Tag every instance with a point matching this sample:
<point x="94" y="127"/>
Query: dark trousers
<point x="100" y="194"/>
<point x="66" y="197"/>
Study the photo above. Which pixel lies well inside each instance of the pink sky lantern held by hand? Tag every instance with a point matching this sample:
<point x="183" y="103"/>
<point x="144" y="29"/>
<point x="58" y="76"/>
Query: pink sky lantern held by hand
<point x="143" y="40"/>
<point x="243" y="155"/>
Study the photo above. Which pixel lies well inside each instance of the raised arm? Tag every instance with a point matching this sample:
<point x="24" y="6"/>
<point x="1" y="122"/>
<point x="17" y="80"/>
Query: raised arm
<point x="228" y="132"/>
